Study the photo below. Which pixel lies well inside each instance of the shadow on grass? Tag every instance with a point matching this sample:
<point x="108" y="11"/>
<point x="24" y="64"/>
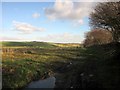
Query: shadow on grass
<point x="91" y="67"/>
<point x="99" y="69"/>
<point x="101" y="63"/>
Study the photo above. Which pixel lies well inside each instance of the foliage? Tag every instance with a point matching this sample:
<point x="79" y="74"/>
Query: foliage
<point x="19" y="73"/>
<point x="19" y="68"/>
<point x="28" y="44"/>
<point x="25" y="64"/>
<point x="97" y="37"/>
<point x="101" y="63"/>
<point x="106" y="15"/>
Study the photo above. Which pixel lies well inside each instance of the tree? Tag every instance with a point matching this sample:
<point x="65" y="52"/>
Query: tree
<point x="107" y="16"/>
<point x="97" y="37"/>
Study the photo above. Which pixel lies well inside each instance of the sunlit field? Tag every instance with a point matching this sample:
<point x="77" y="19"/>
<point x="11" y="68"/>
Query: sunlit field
<point x="22" y="64"/>
<point x="72" y="65"/>
<point x="60" y="44"/>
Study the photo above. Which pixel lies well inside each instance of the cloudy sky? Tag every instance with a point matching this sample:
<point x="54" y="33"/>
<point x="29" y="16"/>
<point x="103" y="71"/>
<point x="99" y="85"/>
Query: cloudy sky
<point x="63" y="21"/>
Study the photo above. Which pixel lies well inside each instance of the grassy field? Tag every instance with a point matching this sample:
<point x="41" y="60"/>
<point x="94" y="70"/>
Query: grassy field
<point x="92" y="67"/>
<point x="28" y="44"/>
<point x="101" y="63"/>
<point x="23" y="62"/>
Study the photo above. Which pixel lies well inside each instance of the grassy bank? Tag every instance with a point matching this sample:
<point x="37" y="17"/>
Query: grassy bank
<point x="75" y="67"/>
<point x="17" y="74"/>
<point x="21" y="65"/>
<point x="99" y="70"/>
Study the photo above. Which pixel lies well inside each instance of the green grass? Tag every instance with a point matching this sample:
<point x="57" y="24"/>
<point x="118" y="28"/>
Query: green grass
<point x="17" y="74"/>
<point x="28" y="44"/>
<point x="32" y="63"/>
<point x="23" y="65"/>
<point x="100" y="62"/>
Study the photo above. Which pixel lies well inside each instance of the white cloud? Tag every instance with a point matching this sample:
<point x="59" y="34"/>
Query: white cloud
<point x="69" y="10"/>
<point x="62" y="38"/>
<point x="25" y="27"/>
<point x="80" y="22"/>
<point x="36" y="15"/>
<point x="5" y="38"/>
<point x="56" y="38"/>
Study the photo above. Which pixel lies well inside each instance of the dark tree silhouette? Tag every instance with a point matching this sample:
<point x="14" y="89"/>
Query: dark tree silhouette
<point x="106" y="15"/>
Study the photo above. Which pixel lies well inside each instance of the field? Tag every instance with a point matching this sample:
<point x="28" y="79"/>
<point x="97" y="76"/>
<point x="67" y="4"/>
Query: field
<point x="23" y="62"/>
<point x="72" y="65"/>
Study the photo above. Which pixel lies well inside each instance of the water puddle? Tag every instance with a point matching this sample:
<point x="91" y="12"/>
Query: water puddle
<point x="46" y="83"/>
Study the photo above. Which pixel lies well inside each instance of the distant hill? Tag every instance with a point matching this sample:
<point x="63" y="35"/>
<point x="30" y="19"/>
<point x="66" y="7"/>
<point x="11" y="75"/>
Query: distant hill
<point x="38" y="44"/>
<point x="28" y="44"/>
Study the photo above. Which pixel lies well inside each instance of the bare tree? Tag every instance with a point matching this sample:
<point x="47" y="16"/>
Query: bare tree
<point x="97" y="37"/>
<point x="107" y="16"/>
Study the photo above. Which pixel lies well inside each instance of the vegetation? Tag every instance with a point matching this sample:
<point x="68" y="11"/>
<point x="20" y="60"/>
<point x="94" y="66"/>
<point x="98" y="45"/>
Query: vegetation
<point x="95" y="66"/>
<point x="103" y="53"/>
<point x="92" y="67"/>
<point x="25" y="64"/>
<point x="107" y="16"/>
<point x="101" y="63"/>
<point x="17" y="74"/>
<point x="97" y="70"/>
<point x="28" y="44"/>
<point x="97" y="37"/>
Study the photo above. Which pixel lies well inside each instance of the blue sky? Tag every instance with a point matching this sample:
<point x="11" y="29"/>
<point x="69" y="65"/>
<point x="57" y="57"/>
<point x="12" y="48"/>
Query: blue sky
<point x="64" y="22"/>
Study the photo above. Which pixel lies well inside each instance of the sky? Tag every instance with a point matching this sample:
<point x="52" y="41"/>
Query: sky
<point x="59" y="21"/>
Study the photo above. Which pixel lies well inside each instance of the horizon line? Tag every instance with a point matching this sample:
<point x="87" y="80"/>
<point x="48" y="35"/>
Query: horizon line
<point x="37" y="41"/>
